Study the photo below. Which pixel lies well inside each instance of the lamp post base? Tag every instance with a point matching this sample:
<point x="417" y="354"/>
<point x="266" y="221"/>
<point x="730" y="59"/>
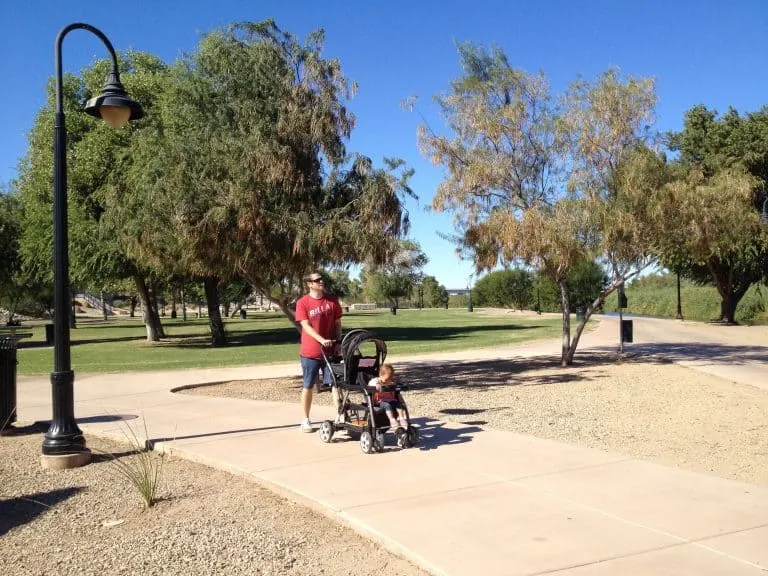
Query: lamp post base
<point x="65" y="461"/>
<point x="63" y="436"/>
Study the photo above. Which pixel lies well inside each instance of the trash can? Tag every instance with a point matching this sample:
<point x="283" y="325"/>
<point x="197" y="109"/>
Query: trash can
<point x="579" y="314"/>
<point x="49" y="334"/>
<point x="243" y="314"/>
<point x="626" y="331"/>
<point x="7" y="381"/>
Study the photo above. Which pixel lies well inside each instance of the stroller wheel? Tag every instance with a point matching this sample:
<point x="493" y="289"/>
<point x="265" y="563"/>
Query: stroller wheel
<point x="379" y="443"/>
<point x="413" y="436"/>
<point x="402" y="438"/>
<point x="366" y="442"/>
<point x="326" y="431"/>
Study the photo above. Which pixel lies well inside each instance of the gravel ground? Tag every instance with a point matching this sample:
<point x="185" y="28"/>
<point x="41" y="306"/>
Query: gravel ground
<point x="653" y="411"/>
<point x="88" y="521"/>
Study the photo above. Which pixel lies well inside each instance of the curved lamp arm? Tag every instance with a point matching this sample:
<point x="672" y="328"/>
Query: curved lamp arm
<point x="113" y="104"/>
<point x="60" y="38"/>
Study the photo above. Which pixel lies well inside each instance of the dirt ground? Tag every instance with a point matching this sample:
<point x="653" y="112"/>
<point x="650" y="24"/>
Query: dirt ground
<point x="655" y="411"/>
<point x="88" y="521"/>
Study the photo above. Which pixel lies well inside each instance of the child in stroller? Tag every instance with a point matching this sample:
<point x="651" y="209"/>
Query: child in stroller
<point x="359" y="365"/>
<point x="385" y="397"/>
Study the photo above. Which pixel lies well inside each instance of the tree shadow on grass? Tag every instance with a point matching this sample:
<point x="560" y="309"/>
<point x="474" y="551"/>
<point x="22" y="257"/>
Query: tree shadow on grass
<point x="15" y="512"/>
<point x="289" y="335"/>
<point x="77" y="342"/>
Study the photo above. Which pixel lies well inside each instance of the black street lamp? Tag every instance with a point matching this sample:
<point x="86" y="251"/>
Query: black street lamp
<point x="64" y="437"/>
<point x="470" y="308"/>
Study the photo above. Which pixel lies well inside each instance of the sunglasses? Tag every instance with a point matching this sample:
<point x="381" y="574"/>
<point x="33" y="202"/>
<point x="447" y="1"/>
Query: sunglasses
<point x="317" y="280"/>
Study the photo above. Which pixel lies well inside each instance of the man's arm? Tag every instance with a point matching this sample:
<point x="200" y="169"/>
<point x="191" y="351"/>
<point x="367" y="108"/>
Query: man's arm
<point x="312" y="332"/>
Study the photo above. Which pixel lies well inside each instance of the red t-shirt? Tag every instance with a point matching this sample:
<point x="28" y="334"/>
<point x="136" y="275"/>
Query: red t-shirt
<point x="322" y="313"/>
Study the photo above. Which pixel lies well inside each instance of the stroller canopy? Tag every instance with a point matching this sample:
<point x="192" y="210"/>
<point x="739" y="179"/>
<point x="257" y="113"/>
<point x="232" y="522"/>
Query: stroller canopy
<point x="350" y="344"/>
<point x="354" y="358"/>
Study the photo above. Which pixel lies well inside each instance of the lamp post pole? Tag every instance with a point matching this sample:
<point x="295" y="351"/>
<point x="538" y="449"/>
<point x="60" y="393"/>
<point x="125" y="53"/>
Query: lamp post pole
<point x="64" y="438"/>
<point x="470" y="308"/>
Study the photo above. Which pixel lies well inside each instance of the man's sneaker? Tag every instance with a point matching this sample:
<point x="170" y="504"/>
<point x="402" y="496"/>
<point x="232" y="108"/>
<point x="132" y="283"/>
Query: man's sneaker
<point x="306" y="425"/>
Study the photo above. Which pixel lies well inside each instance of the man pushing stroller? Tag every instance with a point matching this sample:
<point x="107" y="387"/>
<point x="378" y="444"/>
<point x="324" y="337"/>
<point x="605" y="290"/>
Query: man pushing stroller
<point x="319" y="315"/>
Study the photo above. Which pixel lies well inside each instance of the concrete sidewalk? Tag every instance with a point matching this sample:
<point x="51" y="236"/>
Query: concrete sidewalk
<point x="468" y="501"/>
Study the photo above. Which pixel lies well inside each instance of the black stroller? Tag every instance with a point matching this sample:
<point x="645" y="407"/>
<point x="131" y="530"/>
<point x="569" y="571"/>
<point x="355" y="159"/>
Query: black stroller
<point x="362" y="354"/>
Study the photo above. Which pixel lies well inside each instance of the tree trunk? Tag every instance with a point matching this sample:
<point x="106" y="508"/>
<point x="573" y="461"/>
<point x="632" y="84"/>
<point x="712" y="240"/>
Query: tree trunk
<point x="218" y="336"/>
<point x="133" y="306"/>
<point x="731" y="290"/>
<point x="183" y="305"/>
<point x="729" y="299"/>
<point x="728" y="302"/>
<point x="566" y="358"/>
<point x="149" y="322"/>
<point x="289" y="312"/>
<point x="173" y="303"/>
<point x="154" y="312"/>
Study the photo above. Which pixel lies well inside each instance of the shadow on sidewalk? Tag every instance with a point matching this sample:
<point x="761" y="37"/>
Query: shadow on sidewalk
<point x="153" y="441"/>
<point x="100" y="419"/>
<point x="665" y="352"/>
<point x="15" y="512"/>
<point x="434" y="434"/>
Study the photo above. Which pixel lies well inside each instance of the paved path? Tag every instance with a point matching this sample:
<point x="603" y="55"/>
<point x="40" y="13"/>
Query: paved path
<point x="469" y="501"/>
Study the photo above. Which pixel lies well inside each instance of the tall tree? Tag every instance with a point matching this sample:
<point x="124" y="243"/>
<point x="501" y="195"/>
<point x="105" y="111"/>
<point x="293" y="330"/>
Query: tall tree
<point x="396" y="279"/>
<point x="97" y="256"/>
<point x="551" y="182"/>
<point x="10" y="259"/>
<point x="721" y="191"/>
<point x="252" y="168"/>
<point x="435" y="295"/>
<point x="505" y="289"/>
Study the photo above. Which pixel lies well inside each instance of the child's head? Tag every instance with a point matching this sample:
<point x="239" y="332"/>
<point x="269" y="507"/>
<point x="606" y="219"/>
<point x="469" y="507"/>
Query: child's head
<point x="386" y="372"/>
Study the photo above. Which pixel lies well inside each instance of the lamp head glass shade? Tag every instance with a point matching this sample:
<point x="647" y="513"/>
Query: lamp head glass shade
<point x="113" y="104"/>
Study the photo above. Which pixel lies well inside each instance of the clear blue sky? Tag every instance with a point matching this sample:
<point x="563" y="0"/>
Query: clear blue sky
<point x="701" y="51"/>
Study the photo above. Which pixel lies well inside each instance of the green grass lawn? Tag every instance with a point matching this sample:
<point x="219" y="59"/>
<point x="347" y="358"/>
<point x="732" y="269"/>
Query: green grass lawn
<point x="120" y="345"/>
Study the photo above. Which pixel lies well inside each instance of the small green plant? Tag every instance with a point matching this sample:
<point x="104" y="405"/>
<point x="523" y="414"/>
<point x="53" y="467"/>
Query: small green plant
<point x="143" y="469"/>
